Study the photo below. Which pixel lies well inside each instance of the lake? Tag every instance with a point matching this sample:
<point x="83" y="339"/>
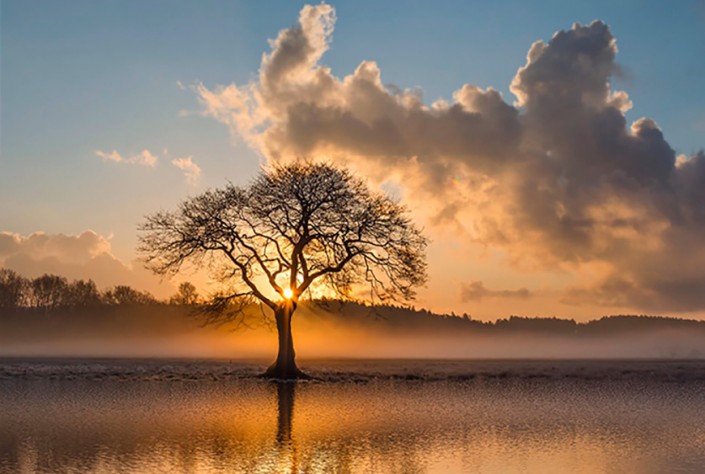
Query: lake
<point x="358" y="416"/>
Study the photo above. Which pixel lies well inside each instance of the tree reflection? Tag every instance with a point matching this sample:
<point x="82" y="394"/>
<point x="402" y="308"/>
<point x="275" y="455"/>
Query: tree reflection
<point x="286" y="392"/>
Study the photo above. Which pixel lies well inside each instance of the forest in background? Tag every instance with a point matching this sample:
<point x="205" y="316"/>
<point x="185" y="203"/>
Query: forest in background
<point x="50" y="315"/>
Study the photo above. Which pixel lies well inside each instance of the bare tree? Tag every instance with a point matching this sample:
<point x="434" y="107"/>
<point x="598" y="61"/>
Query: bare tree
<point x="82" y="294"/>
<point x="297" y="229"/>
<point x="49" y="291"/>
<point x="125" y="295"/>
<point x="13" y="289"/>
<point x="186" y="295"/>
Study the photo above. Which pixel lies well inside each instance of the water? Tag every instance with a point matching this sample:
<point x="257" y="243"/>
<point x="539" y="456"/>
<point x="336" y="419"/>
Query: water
<point x="155" y="416"/>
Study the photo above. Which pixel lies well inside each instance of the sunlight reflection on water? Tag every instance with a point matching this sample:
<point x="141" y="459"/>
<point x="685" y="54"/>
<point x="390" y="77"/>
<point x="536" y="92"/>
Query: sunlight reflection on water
<point x="481" y="417"/>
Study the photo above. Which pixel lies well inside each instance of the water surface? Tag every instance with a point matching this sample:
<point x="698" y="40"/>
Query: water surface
<point x="155" y="416"/>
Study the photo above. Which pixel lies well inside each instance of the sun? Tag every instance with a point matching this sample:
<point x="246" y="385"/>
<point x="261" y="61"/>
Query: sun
<point x="288" y="293"/>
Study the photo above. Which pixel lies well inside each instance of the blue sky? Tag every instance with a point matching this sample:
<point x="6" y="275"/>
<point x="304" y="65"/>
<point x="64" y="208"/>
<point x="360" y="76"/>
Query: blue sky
<point x="80" y="76"/>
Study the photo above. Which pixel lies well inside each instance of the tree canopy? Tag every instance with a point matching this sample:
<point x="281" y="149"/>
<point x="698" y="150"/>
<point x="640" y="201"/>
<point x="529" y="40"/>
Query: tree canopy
<point x="294" y="225"/>
<point x="295" y="229"/>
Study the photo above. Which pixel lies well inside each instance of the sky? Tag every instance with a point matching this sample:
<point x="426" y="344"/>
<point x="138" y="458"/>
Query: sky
<point x="556" y="166"/>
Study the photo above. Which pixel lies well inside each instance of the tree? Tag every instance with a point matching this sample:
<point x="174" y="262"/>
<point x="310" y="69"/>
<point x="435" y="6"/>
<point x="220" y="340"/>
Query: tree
<point x="13" y="289"/>
<point x="186" y="295"/>
<point x="49" y="291"/>
<point x="125" y="295"/>
<point x="83" y="294"/>
<point x="297" y="230"/>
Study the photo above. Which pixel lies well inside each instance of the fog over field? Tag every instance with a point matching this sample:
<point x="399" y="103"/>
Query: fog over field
<point x="334" y="330"/>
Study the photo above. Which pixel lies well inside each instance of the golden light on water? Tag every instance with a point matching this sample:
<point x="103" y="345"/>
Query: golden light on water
<point x="245" y="425"/>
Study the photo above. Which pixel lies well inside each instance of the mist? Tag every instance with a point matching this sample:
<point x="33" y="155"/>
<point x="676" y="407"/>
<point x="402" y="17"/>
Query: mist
<point x="341" y="331"/>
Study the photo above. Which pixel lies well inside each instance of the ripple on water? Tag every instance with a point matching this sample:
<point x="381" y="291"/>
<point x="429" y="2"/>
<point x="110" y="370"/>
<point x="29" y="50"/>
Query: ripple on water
<point x="356" y="416"/>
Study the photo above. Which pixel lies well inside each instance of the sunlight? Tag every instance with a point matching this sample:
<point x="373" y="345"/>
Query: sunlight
<point x="288" y="293"/>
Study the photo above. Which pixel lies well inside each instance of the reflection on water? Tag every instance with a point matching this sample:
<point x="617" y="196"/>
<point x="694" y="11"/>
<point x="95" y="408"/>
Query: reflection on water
<point x="397" y="417"/>
<point x="285" y="414"/>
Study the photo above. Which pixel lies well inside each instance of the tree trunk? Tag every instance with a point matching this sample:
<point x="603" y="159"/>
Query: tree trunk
<point x="285" y="366"/>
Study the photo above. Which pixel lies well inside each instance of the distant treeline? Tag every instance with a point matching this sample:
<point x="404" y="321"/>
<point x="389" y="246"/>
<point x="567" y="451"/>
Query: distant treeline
<point x="50" y="292"/>
<point x="408" y="317"/>
<point x="74" y="300"/>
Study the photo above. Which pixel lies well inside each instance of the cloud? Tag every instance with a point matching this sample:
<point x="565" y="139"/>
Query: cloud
<point x="68" y="248"/>
<point x="192" y="172"/>
<point x="143" y="158"/>
<point x="112" y="156"/>
<point x="558" y="178"/>
<point x="476" y="291"/>
<point x="82" y="256"/>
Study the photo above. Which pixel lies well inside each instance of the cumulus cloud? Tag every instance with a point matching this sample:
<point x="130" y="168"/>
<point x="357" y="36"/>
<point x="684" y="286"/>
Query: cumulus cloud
<point x="192" y="172"/>
<point x="143" y="158"/>
<point x="83" y="256"/>
<point x="556" y="178"/>
<point x="68" y="248"/>
<point x="476" y="291"/>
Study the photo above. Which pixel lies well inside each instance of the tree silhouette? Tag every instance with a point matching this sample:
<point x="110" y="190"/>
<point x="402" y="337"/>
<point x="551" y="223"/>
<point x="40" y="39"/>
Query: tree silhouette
<point x="83" y="294"/>
<point x="49" y="291"/>
<point x="186" y="295"/>
<point x="13" y="289"/>
<point x="297" y="229"/>
<point x="125" y="295"/>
